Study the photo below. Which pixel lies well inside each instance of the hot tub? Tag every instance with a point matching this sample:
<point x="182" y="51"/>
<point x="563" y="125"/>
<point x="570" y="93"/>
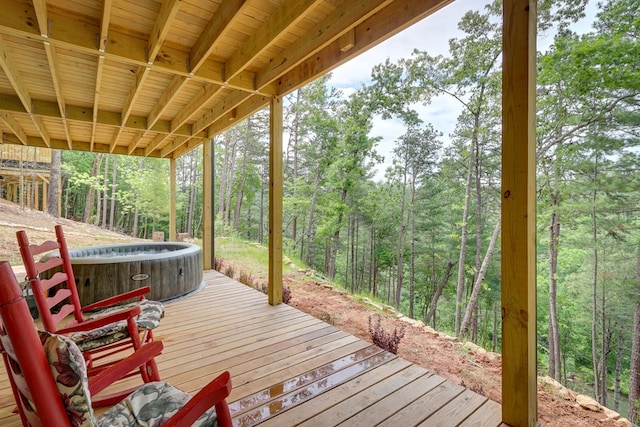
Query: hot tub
<point x="170" y="269"/>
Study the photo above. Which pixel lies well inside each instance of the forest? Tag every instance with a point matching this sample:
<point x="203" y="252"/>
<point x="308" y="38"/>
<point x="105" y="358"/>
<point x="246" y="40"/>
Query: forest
<point x="424" y="235"/>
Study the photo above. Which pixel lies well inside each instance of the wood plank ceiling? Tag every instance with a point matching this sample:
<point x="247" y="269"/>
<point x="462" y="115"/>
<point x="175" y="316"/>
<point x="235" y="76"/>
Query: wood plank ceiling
<point x="157" y="78"/>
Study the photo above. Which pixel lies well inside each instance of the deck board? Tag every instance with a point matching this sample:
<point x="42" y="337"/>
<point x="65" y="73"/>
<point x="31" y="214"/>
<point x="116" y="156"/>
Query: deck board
<point x="289" y="368"/>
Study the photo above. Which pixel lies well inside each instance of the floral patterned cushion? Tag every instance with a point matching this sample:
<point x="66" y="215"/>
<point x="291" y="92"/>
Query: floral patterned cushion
<point x="151" y="405"/>
<point x="70" y="373"/>
<point x="149" y="318"/>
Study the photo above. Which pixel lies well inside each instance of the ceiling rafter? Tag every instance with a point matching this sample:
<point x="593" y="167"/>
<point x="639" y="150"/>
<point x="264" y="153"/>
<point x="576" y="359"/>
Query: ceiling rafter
<point x="224" y="108"/>
<point x="286" y="17"/>
<point x="18" y="86"/>
<point x="42" y="130"/>
<point x="40" y="7"/>
<point x="334" y="26"/>
<point x="157" y="141"/>
<point x="170" y="148"/>
<point x="177" y="83"/>
<point x="195" y="105"/>
<point x="96" y="98"/>
<point x="14" y="76"/>
<point x="104" y="25"/>
<point x="15" y="127"/>
<point x="57" y="86"/>
<point x="385" y="23"/>
<point x="123" y="48"/>
<point x="215" y="30"/>
<point x="166" y="16"/>
<point x="61" y="144"/>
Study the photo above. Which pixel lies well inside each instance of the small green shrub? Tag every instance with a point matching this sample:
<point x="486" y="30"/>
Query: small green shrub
<point x="383" y="339"/>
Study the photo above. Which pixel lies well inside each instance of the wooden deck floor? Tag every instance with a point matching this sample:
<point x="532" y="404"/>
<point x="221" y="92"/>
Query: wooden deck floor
<point x="289" y="368"/>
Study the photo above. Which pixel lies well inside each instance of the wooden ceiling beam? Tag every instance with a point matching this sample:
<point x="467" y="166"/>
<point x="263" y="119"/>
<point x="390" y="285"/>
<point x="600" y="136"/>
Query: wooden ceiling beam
<point x="52" y="60"/>
<point x="378" y="27"/>
<point x="170" y="148"/>
<point x="96" y="97"/>
<point x="219" y="25"/>
<point x="166" y="16"/>
<point x="223" y="107"/>
<point x="60" y="144"/>
<point x="157" y="141"/>
<point x="14" y="76"/>
<point x="122" y="48"/>
<point x="195" y="105"/>
<point x="335" y="25"/>
<point x="15" y="127"/>
<point x="134" y="91"/>
<point x="241" y="112"/>
<point x="104" y="25"/>
<point x="177" y="83"/>
<point x="42" y="130"/>
<point x="285" y="18"/>
<point x="40" y="7"/>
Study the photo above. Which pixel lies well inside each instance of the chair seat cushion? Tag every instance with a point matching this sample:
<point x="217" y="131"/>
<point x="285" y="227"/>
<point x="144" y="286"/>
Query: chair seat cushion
<point x="151" y="405"/>
<point x="149" y="318"/>
<point x="70" y="374"/>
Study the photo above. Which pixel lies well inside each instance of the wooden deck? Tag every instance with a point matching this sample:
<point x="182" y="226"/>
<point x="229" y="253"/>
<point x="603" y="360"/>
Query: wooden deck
<point x="289" y="368"/>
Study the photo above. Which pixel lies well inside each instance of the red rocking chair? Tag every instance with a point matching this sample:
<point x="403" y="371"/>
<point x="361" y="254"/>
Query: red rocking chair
<point x="51" y="387"/>
<point x="112" y="326"/>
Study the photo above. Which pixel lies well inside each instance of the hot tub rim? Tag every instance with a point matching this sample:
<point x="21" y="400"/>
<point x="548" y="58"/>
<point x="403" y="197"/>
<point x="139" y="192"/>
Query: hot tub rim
<point x="91" y="251"/>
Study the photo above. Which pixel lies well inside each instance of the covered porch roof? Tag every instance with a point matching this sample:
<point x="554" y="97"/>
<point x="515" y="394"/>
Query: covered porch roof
<point x="158" y="78"/>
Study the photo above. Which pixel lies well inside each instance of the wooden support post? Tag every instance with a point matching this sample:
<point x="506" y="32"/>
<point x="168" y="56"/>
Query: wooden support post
<point x="45" y="189"/>
<point x="172" y="199"/>
<point x="519" y="398"/>
<point x="275" y="202"/>
<point x="207" y="206"/>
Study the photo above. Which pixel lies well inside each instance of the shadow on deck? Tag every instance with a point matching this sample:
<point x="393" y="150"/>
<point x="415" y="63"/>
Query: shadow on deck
<point x="289" y="368"/>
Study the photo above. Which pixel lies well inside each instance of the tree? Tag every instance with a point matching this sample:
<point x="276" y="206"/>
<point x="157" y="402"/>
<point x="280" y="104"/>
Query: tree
<point x="53" y="193"/>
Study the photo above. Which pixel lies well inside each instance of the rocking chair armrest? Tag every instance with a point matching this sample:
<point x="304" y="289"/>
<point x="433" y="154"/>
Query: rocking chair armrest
<point x="213" y="394"/>
<point x="140" y="292"/>
<point x="118" y="370"/>
<point x="99" y="322"/>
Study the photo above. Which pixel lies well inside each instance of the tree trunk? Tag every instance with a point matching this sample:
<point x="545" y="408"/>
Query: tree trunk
<point x="616" y="389"/>
<point x="193" y="177"/>
<point x="312" y="210"/>
<point x="53" y="193"/>
<point x="113" y="192"/>
<point x="431" y="314"/>
<point x="554" y="331"/>
<point x="412" y="273"/>
<point x="594" y="311"/>
<point x="477" y="285"/>
<point x="460" y="288"/>
<point x="105" y="186"/>
<point x="401" y="237"/>
<point x="89" y="198"/>
<point x="634" y="380"/>
<point x="99" y="196"/>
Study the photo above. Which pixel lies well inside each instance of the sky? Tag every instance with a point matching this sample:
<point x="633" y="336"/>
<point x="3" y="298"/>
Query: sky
<point x="432" y="34"/>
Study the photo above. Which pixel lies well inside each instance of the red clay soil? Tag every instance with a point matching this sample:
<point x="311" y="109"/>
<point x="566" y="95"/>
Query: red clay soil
<point x="439" y="353"/>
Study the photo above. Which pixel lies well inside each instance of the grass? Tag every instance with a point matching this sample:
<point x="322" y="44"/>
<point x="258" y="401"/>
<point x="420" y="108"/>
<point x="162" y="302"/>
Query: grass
<point x="253" y="258"/>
